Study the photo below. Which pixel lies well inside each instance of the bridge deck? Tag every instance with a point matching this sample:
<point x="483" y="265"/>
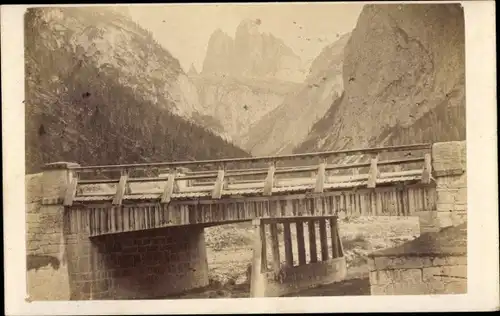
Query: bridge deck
<point x="179" y="197"/>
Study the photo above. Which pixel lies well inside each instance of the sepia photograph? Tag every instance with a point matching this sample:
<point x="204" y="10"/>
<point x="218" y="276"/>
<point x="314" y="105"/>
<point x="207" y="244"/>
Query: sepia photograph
<point x="246" y="150"/>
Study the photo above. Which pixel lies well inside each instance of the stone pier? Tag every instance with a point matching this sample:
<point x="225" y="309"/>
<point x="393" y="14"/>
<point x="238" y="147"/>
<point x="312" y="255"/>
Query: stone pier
<point x="434" y="263"/>
<point x="450" y="176"/>
<point x="64" y="263"/>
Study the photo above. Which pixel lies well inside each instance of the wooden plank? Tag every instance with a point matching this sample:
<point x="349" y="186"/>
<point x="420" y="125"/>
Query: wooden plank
<point x="335" y="240"/>
<point x="120" y="190"/>
<point x="97" y="220"/>
<point x="323" y="239"/>
<point x="313" y="251"/>
<point x="217" y="191"/>
<point x="427" y="170"/>
<point x="269" y="183"/>
<point x="78" y="218"/>
<point x="169" y="189"/>
<point x="119" y="219"/>
<point x="257" y="259"/>
<point x="320" y="178"/>
<point x="373" y="173"/>
<point x="126" y="219"/>
<point x="91" y="221"/>
<point x="287" y="237"/>
<point x="103" y="223"/>
<point x="71" y="192"/>
<point x="113" y="212"/>
<point x="301" y="249"/>
<point x="275" y="247"/>
<point x="262" y="230"/>
<point x="340" y="249"/>
<point x="157" y="217"/>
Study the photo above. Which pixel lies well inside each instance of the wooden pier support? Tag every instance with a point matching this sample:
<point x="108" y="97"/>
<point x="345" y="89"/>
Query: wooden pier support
<point x="283" y="278"/>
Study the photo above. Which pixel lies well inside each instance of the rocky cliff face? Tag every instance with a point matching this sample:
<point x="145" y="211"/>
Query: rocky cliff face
<point x="94" y="80"/>
<point x="244" y="78"/>
<point x="279" y="131"/>
<point x="237" y="103"/>
<point x="404" y="80"/>
<point x="251" y="54"/>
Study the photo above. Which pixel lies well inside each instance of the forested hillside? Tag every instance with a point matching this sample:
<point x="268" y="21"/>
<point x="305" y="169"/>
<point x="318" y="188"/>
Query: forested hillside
<point x="81" y="109"/>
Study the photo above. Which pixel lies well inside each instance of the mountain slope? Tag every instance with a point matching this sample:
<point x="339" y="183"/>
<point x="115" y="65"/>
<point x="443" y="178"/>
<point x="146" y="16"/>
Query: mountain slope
<point x="100" y="90"/>
<point x="244" y="78"/>
<point x="286" y="126"/>
<point x="237" y="103"/>
<point x="404" y="76"/>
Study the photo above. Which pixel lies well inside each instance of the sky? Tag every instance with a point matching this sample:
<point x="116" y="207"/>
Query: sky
<point x="184" y="29"/>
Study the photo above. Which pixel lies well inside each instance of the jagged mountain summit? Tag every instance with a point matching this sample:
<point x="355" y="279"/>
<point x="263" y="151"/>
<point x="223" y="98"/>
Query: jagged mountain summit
<point x="251" y="54"/>
<point x="244" y="78"/>
<point x="96" y="80"/>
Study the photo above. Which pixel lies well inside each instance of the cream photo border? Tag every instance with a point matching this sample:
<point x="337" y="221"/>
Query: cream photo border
<point x="483" y="250"/>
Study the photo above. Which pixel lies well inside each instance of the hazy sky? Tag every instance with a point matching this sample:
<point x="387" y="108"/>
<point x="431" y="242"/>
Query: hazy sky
<point x="185" y="29"/>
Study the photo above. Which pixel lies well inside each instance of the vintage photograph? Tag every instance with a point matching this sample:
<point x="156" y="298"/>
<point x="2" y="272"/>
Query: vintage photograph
<point x="188" y="151"/>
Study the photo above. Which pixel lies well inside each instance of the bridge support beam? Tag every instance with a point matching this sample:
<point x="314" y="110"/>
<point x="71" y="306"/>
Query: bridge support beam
<point x="282" y="277"/>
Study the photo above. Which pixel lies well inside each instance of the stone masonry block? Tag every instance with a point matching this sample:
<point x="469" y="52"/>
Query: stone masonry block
<point x="455" y="287"/>
<point x="402" y="262"/>
<point x="413" y="276"/>
<point x="432" y="273"/>
<point x="407" y="288"/>
<point x="449" y="156"/>
<point x="381" y="290"/>
<point x="451" y="182"/>
<point x="446" y="196"/>
<point x="445" y="218"/>
<point x="455" y="271"/>
<point x="371" y="264"/>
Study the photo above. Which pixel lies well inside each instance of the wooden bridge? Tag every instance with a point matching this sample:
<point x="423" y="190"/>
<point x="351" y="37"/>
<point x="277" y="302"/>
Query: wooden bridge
<point x="119" y="198"/>
<point x="137" y="230"/>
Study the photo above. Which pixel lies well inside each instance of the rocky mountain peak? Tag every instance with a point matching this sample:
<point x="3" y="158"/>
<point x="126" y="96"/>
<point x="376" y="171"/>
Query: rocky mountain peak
<point x="248" y="27"/>
<point x="251" y="54"/>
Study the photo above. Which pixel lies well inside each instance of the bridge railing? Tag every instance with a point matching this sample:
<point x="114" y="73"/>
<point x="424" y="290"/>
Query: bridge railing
<point x="168" y="178"/>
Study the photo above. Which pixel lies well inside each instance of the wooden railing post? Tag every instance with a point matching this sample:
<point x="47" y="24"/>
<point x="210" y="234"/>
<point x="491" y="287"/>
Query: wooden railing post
<point x="71" y="190"/>
<point x="373" y="173"/>
<point x="169" y="188"/>
<point x="269" y="183"/>
<point x="217" y="191"/>
<point x="427" y="170"/>
<point x="320" y="178"/>
<point x="120" y="189"/>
